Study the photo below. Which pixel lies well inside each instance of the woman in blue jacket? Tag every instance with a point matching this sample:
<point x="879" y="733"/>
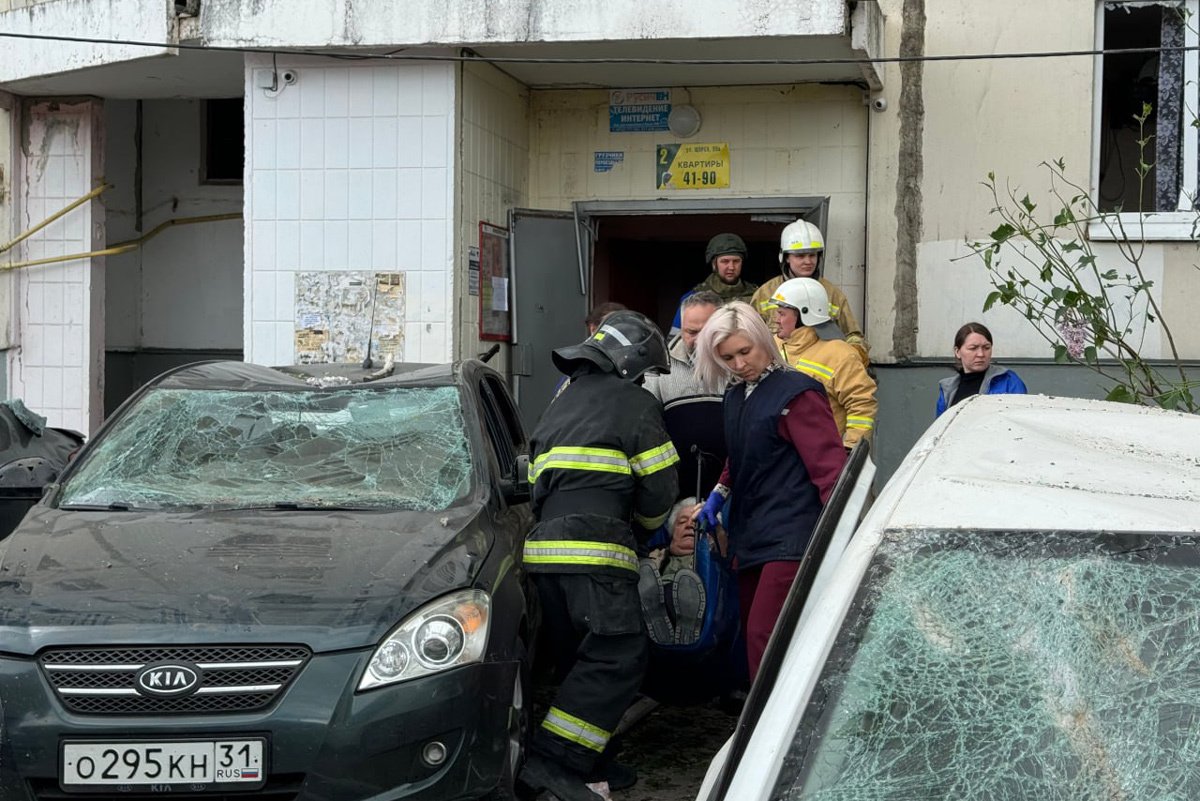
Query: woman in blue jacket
<point x="975" y="374"/>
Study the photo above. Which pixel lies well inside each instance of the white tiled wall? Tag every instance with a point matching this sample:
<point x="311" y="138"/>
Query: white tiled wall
<point x="494" y="169"/>
<point x="796" y="140"/>
<point x="8" y="223"/>
<point x="350" y="168"/>
<point x="57" y="368"/>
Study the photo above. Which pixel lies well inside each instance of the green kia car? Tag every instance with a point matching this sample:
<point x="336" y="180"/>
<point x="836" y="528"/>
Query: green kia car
<point x="275" y="583"/>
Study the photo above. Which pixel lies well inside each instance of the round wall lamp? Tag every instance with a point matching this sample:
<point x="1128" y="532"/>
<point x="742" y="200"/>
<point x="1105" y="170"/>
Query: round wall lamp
<point x="683" y="121"/>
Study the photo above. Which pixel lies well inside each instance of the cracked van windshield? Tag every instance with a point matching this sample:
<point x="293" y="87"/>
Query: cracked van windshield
<point x="398" y="447"/>
<point x="1027" y="666"/>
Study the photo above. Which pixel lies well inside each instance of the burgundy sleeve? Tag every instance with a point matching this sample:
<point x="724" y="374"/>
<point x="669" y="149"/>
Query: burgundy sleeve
<point x="810" y="427"/>
<point x="726" y="475"/>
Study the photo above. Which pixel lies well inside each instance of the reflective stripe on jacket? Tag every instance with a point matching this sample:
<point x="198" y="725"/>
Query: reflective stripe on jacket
<point x="839" y="310"/>
<point x="600" y="460"/>
<point x="837" y="365"/>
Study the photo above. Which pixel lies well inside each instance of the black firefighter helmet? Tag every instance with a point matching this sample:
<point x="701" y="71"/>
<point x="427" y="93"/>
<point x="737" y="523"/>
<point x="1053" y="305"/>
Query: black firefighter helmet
<point x="626" y="343"/>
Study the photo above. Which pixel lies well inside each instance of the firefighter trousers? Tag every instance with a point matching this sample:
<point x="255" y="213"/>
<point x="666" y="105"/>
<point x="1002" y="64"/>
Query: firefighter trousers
<point x="593" y="623"/>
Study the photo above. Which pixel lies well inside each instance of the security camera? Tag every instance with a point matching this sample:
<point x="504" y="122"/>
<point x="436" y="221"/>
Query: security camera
<point x="879" y="103"/>
<point x="288" y="76"/>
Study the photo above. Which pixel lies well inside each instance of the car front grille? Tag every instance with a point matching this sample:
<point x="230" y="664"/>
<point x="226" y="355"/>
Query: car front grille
<point x="233" y="678"/>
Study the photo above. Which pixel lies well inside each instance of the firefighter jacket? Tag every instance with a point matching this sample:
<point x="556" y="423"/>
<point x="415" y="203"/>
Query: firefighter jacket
<point x="837" y="365"/>
<point x="839" y="310"/>
<point x="600" y="460"/>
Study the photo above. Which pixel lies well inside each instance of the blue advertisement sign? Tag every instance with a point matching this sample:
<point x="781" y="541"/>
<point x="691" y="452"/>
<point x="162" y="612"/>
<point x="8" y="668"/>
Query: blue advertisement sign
<point x="607" y="159"/>
<point x="634" y="110"/>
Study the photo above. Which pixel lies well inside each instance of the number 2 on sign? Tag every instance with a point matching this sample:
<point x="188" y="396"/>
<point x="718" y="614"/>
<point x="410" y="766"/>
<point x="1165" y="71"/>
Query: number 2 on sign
<point x="664" y="156"/>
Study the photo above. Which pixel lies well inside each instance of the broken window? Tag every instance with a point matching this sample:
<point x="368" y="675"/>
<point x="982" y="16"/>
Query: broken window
<point x="393" y="448"/>
<point x="978" y="666"/>
<point x="1162" y="78"/>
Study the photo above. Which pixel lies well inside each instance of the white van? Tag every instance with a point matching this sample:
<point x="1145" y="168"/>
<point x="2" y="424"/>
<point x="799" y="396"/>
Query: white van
<point x="1017" y="616"/>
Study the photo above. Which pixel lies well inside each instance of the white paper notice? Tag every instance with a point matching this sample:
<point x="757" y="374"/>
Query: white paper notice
<point x="499" y="294"/>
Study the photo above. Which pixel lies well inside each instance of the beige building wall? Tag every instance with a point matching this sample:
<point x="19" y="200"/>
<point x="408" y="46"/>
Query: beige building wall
<point x="1181" y="298"/>
<point x="493" y="177"/>
<point x="789" y="140"/>
<point x="1003" y="116"/>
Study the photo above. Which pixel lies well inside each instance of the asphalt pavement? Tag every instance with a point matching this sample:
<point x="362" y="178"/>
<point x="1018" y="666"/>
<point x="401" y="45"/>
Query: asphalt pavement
<point x="671" y="748"/>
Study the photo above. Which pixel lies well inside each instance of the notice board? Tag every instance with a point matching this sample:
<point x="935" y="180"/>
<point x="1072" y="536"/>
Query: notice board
<point x="495" y="309"/>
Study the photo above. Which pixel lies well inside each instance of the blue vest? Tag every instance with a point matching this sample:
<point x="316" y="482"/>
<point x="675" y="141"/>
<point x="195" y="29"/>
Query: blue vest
<point x="774" y="505"/>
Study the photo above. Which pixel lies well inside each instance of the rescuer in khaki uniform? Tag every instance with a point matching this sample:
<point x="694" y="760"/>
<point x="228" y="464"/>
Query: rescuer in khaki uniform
<point x="812" y="343"/>
<point x="801" y="255"/>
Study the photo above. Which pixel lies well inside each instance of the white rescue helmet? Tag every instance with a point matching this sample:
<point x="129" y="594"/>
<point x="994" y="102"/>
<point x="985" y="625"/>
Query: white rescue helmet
<point x="807" y="297"/>
<point x="800" y="236"/>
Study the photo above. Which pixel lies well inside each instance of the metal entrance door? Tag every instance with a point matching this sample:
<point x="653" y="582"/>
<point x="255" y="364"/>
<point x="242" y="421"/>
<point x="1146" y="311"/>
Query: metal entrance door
<point x="551" y="257"/>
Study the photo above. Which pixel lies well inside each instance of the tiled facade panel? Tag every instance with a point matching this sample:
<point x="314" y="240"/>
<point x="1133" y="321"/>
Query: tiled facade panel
<point x="494" y="169"/>
<point x="349" y="169"/>
<point x="57" y="366"/>
<point x="797" y="140"/>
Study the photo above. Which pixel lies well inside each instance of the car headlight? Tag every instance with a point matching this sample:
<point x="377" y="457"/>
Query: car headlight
<point x="448" y="632"/>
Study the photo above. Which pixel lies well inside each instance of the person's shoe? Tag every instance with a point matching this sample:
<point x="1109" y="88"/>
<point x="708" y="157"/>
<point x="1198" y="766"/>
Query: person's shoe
<point x="541" y="774"/>
<point x="688" y="596"/>
<point x="618" y="775"/>
<point x="654" y="605"/>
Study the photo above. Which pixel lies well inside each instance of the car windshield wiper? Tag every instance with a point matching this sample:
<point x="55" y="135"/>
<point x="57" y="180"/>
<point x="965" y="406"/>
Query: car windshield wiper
<point x="316" y="506"/>
<point x="99" y="507"/>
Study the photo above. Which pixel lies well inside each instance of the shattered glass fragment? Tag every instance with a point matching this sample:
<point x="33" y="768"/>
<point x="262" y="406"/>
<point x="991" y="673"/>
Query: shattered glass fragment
<point x="386" y="448"/>
<point x="976" y="666"/>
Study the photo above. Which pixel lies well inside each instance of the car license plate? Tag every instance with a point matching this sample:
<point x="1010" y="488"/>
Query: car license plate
<point x="164" y="766"/>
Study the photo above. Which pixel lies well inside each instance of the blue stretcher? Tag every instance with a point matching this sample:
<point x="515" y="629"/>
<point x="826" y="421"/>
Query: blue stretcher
<point x="697" y="651"/>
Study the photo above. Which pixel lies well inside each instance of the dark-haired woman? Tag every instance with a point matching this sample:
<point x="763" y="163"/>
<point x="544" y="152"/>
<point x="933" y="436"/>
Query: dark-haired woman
<point x="975" y="374"/>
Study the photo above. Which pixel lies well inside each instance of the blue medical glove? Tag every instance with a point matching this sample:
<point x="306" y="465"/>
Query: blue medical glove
<point x="712" y="507"/>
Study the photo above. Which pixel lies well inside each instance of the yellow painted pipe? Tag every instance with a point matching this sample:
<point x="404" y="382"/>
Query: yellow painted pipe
<point x="123" y="247"/>
<point x="67" y="210"/>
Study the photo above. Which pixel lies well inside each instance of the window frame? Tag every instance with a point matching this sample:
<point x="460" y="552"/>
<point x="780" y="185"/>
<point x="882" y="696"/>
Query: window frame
<point x="1180" y="224"/>
<point x="501" y="426"/>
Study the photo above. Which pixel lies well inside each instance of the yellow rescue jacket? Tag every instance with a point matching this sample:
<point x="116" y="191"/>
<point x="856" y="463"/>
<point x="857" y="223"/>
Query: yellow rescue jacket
<point x="838" y="366"/>
<point x="839" y="310"/>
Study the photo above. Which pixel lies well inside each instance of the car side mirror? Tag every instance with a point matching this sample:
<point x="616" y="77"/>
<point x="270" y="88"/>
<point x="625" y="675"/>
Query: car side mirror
<point x="515" y="487"/>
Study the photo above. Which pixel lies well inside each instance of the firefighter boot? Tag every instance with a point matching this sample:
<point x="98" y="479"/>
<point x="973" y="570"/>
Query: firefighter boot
<point x="540" y="773"/>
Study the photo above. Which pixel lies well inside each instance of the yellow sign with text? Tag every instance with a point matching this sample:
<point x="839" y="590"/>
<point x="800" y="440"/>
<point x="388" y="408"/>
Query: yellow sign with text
<point x="692" y="166"/>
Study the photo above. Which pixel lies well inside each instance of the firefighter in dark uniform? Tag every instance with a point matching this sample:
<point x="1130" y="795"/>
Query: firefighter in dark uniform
<point x="601" y="466"/>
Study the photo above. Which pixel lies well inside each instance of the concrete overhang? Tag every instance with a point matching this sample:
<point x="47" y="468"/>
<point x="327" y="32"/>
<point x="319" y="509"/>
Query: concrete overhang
<point x="641" y="33"/>
<point x="126" y="20"/>
<point x="542" y="43"/>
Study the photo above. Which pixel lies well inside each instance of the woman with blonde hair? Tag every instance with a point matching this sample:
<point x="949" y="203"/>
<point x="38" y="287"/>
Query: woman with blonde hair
<point x="785" y="454"/>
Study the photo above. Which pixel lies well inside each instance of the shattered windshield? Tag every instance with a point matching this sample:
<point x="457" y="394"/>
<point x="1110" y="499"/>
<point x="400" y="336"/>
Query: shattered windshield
<point x="1022" y="666"/>
<point x="392" y="447"/>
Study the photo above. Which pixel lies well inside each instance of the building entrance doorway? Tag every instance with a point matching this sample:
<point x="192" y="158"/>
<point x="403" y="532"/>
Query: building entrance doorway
<point x="643" y="254"/>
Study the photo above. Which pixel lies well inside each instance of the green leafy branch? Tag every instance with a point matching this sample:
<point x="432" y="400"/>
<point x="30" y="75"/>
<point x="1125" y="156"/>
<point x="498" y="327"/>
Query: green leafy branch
<point x="1096" y="316"/>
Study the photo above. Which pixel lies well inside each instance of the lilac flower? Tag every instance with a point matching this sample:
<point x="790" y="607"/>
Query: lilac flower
<point x="1074" y="335"/>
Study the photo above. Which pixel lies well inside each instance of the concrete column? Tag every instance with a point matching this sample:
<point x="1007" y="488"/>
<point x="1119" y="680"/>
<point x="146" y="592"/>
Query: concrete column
<point x="57" y="364"/>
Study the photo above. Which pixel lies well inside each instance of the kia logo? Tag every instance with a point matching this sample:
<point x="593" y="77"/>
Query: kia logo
<point x="168" y="679"/>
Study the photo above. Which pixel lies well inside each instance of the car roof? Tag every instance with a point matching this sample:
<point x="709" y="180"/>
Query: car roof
<point x="245" y="376"/>
<point x="1032" y="462"/>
